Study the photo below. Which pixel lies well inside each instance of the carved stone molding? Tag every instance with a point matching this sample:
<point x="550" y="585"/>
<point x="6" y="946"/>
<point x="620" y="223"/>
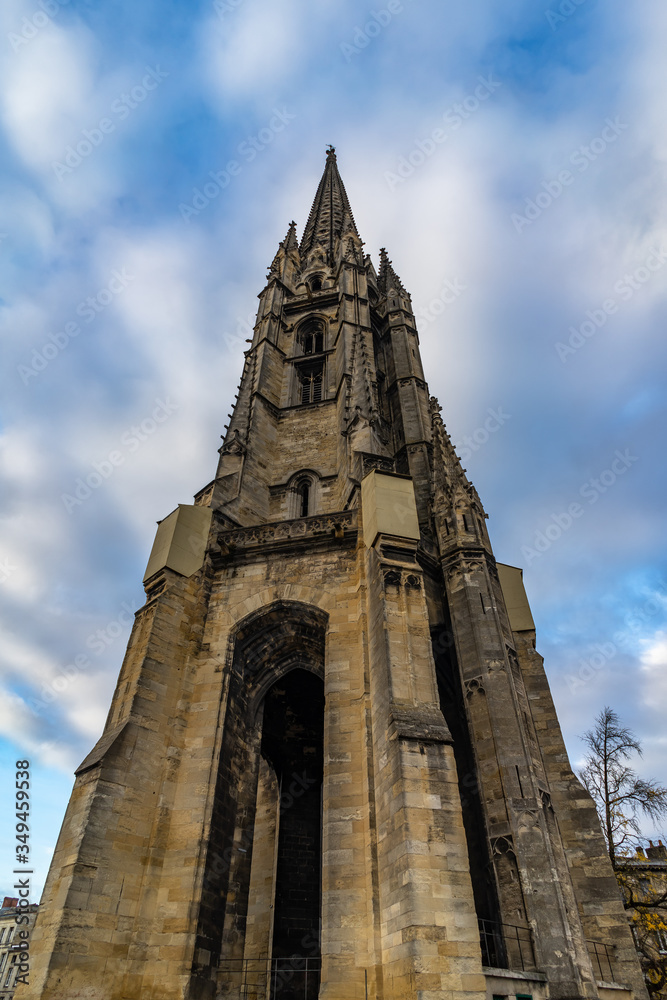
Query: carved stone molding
<point x="392" y="578"/>
<point x="234" y="445"/>
<point x="545" y="798"/>
<point x="204" y="497"/>
<point x="370" y="462"/>
<point x="334" y="525"/>
<point x="474" y="686"/>
<point x="413" y="581"/>
<point x="501" y="846"/>
<point x="412" y="379"/>
<point x="463" y="565"/>
<point x="528" y="819"/>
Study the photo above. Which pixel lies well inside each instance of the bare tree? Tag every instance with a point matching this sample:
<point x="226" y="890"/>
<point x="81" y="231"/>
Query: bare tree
<point x="621" y="796"/>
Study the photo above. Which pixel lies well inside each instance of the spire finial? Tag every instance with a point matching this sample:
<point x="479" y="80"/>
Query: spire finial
<point x="331" y="216"/>
<point x="290" y="242"/>
<point x="387" y="277"/>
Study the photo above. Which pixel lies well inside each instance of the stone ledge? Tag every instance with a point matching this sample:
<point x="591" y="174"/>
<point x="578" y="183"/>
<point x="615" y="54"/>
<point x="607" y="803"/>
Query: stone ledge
<point x="337" y="527"/>
<point x="423" y="725"/>
<point x="532" y="977"/>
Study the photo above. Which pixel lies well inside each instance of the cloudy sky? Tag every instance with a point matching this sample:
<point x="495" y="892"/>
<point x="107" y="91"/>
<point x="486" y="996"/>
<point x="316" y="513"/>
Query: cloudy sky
<point x="510" y="156"/>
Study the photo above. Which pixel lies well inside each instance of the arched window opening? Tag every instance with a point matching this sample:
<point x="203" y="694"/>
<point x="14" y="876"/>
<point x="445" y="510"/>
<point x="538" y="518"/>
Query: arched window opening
<point x="311" y="338"/>
<point x="304" y="499"/>
<point x="303" y="494"/>
<point x="312" y="343"/>
<point x="316" y="284"/>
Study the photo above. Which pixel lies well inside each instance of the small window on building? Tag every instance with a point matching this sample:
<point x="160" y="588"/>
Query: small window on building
<point x="316" y="284"/>
<point x="304" y="499"/>
<point x="311" y="337"/>
<point x="303" y="495"/>
<point x="310" y="383"/>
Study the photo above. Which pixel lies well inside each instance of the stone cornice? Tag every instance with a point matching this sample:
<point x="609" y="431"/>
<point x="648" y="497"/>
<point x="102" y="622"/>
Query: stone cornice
<point x="336" y="527"/>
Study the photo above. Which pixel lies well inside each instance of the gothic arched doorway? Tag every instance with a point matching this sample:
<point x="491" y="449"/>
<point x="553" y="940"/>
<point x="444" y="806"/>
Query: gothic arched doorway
<point x="261" y="901"/>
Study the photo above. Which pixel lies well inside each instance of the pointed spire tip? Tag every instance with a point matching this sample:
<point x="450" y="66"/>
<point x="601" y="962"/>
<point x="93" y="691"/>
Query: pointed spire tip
<point x="330" y="216"/>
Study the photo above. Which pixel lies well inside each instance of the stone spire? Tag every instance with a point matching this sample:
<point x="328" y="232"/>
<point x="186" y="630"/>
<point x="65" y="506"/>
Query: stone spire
<point x="387" y="278"/>
<point x="447" y="470"/>
<point x="290" y="242"/>
<point x="287" y="259"/>
<point x="331" y="216"/>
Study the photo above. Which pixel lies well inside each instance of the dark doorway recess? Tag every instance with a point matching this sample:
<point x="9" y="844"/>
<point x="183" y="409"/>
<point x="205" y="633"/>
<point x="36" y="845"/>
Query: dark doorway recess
<point x="293" y="743"/>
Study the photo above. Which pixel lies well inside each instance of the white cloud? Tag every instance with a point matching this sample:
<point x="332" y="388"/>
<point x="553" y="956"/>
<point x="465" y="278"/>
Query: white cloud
<point x="654" y="673"/>
<point x="47" y="90"/>
<point x="248" y="47"/>
<point x="18" y="724"/>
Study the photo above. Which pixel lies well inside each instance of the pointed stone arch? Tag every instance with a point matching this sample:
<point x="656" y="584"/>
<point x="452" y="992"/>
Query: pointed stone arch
<point x="277" y="638"/>
<point x="265" y="646"/>
<point x="311" y="333"/>
<point x="304" y="494"/>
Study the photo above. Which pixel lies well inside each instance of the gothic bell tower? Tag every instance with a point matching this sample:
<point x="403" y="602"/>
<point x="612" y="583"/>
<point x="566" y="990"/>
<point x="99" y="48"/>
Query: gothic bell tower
<point x="332" y="766"/>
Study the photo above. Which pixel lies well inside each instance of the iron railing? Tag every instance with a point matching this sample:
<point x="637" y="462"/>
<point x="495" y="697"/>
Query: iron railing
<point x="296" y="977"/>
<point x="601" y="957"/>
<point x="506" y="946"/>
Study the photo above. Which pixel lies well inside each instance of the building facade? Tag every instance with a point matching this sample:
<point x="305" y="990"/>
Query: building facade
<point x="643" y="882"/>
<point x="332" y="764"/>
<point x="16" y="923"/>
